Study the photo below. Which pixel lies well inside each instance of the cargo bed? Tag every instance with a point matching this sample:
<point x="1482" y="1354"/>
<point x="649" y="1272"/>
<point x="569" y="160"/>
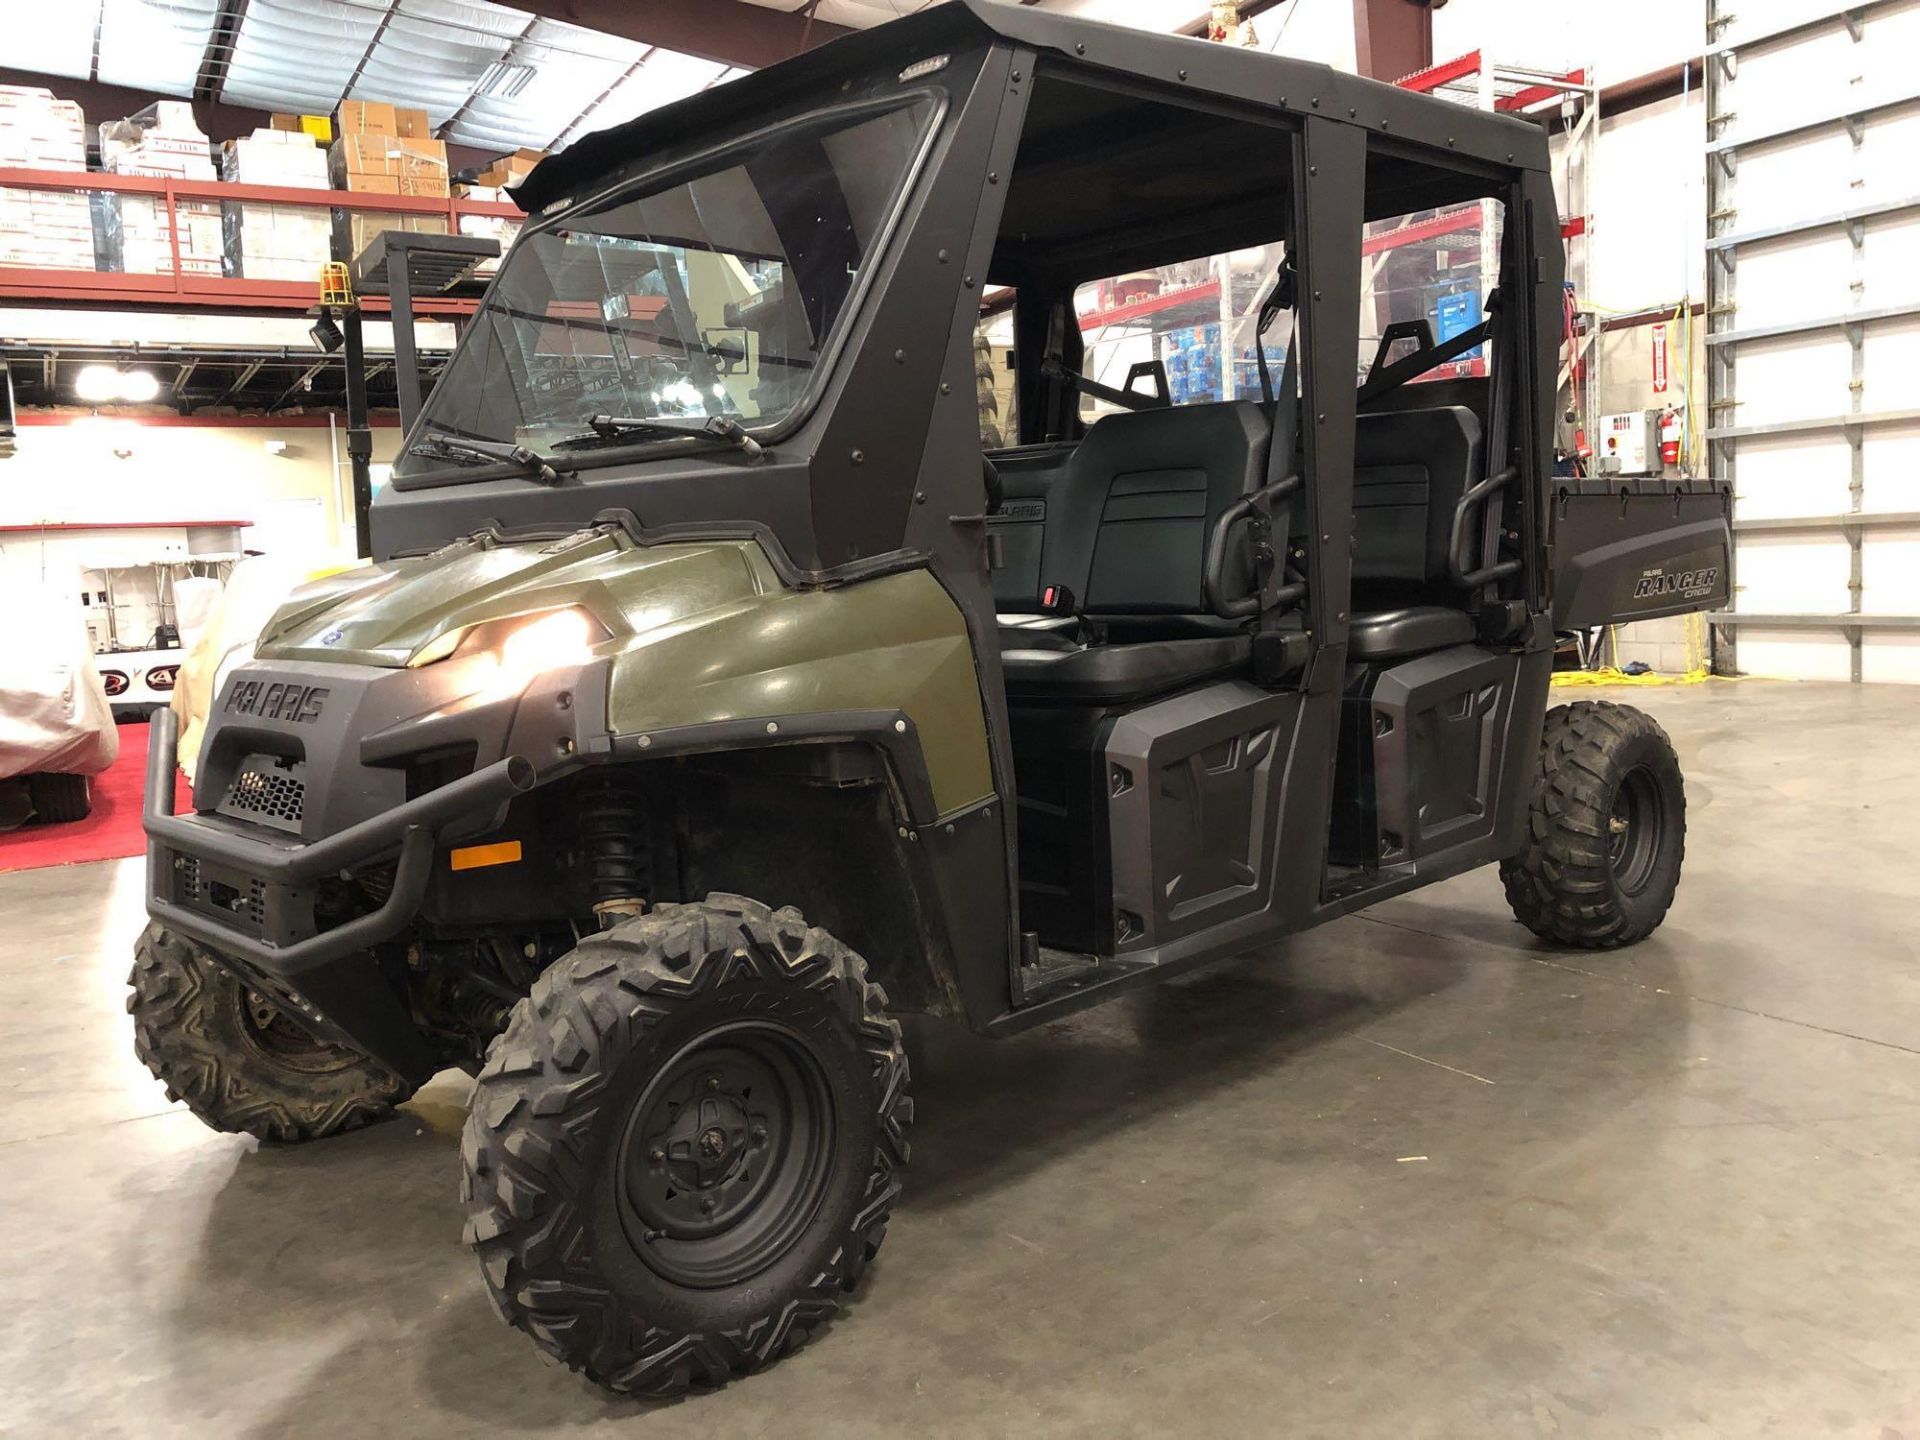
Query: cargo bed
<point x="1639" y="549"/>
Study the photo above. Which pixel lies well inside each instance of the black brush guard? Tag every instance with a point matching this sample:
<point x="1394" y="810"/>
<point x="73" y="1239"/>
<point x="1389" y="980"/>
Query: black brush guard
<point x="328" y="979"/>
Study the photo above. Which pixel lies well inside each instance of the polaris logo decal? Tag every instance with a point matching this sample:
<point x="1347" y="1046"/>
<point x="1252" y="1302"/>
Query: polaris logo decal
<point x="275" y="700"/>
<point x="1686" y="583"/>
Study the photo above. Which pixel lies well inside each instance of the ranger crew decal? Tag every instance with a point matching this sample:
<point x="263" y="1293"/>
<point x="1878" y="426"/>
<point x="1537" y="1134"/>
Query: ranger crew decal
<point x="1688" y="584"/>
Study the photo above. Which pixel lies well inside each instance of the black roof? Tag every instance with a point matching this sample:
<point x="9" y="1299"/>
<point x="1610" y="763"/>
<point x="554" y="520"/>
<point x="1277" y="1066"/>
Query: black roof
<point x="1253" y="77"/>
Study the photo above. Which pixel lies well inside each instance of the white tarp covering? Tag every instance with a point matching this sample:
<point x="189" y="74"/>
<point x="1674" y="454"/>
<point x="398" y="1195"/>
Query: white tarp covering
<point x="54" y="715"/>
<point x="224" y="638"/>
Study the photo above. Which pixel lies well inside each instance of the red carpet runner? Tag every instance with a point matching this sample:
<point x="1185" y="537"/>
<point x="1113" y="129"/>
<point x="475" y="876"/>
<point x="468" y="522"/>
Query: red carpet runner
<point x="111" y="831"/>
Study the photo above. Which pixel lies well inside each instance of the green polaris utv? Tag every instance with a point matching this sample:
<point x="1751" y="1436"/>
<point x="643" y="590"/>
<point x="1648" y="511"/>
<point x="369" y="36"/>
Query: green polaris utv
<point x="717" y="697"/>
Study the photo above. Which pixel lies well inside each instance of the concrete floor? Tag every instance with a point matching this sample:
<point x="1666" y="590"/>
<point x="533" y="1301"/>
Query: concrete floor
<point x="1414" y="1174"/>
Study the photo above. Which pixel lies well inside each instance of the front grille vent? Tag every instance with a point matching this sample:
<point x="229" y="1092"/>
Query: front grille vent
<point x="267" y="790"/>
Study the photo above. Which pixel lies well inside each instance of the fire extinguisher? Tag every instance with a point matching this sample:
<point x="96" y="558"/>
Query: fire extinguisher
<point x="1670" y="438"/>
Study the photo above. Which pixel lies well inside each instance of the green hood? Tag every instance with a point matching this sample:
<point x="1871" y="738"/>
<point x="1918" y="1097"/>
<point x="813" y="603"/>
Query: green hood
<point x="384" y="614"/>
<point x="700" y="633"/>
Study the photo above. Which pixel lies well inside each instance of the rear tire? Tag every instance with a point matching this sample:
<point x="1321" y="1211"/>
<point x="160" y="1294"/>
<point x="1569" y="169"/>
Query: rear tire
<point x="60" y="798"/>
<point x="684" y="1148"/>
<point x="1606" y="832"/>
<point x="238" y="1062"/>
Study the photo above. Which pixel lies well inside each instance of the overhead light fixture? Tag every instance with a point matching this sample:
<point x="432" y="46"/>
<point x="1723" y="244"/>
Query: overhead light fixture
<point x="101" y="384"/>
<point x="325" y="333"/>
<point x="503" y="80"/>
<point x="97" y="384"/>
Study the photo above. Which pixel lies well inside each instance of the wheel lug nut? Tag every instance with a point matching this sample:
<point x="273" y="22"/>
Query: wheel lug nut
<point x="656" y="1156"/>
<point x="713" y="1082"/>
<point x="709" y="1205"/>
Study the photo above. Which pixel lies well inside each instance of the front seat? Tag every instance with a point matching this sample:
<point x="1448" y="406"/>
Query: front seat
<point x="1126" y="535"/>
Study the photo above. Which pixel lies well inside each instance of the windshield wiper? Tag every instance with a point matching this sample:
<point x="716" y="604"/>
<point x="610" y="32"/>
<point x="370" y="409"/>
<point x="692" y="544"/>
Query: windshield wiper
<point x="535" y="465"/>
<point x="627" y="427"/>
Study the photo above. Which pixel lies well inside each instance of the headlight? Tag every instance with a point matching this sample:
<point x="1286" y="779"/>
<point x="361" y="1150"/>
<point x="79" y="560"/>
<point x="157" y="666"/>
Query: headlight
<point x="563" y="638"/>
<point x="521" y="648"/>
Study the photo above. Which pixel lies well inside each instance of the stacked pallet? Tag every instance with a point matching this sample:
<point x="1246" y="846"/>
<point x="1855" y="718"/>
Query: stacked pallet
<point x="388" y="150"/>
<point x="162" y="141"/>
<point x="43" y="229"/>
<point x="278" y="242"/>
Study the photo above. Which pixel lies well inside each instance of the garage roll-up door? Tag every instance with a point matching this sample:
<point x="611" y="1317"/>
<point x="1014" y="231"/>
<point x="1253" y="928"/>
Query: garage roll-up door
<point x="1813" y="273"/>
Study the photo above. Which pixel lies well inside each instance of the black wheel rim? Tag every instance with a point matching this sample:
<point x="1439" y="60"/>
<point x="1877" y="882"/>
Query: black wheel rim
<point x="726" y="1155"/>
<point x="284" y="1042"/>
<point x="1636" y="829"/>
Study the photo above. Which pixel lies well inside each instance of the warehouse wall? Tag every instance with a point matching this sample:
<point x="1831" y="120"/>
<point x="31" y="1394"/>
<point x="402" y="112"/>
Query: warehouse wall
<point x="70" y="472"/>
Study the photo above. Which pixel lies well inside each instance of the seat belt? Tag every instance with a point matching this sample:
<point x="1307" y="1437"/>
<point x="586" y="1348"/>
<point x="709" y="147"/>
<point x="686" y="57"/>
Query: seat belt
<point x="1421" y="361"/>
<point x="1279" y="299"/>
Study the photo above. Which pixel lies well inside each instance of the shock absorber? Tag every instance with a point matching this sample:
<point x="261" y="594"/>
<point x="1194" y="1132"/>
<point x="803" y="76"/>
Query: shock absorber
<point x="613" y="837"/>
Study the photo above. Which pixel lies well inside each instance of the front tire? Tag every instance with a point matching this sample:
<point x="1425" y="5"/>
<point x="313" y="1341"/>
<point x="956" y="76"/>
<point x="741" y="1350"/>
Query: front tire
<point x="1606" y="832"/>
<point x="235" y="1059"/>
<point x="685" y="1146"/>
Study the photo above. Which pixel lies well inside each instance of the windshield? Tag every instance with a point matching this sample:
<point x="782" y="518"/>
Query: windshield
<point x="719" y="294"/>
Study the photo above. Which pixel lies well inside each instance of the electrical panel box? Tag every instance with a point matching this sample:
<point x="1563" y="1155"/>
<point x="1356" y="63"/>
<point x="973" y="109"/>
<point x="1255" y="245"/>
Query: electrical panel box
<point x="1629" y="443"/>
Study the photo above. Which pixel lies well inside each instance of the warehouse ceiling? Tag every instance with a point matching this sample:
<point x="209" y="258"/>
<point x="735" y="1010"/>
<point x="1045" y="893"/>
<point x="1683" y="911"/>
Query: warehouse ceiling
<point x="495" y="77"/>
<point x="210" y="381"/>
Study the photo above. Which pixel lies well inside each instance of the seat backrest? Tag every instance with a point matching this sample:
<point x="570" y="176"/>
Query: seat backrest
<point x="1128" y="519"/>
<point x="1410" y="469"/>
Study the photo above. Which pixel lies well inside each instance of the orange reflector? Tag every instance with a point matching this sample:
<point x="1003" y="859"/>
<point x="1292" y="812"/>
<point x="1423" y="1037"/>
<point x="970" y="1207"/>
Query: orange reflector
<point x="478" y="857"/>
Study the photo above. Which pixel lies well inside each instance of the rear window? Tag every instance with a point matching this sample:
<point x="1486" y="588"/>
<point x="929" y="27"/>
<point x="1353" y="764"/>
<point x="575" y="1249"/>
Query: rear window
<point x="1432" y="266"/>
<point x="1196" y="318"/>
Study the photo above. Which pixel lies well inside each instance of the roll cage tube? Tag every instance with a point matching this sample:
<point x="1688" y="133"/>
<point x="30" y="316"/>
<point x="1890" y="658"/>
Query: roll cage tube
<point x="1255" y="511"/>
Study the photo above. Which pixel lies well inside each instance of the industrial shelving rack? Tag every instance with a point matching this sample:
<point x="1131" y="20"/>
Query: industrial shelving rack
<point x="1574" y="97"/>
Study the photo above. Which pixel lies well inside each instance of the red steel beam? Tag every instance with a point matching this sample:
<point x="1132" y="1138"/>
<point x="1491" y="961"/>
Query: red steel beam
<point x="1535" y="94"/>
<point x="1450" y="222"/>
<point x="1150" y="305"/>
<point x="1445" y="73"/>
<point x="175" y="289"/>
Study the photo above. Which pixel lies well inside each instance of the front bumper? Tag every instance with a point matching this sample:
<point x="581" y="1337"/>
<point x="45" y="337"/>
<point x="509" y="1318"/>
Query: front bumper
<point x="250" y="898"/>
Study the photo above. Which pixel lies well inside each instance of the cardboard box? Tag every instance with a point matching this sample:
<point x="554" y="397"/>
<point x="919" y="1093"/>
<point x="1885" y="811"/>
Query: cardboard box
<point x="423" y="158"/>
<point x="368" y="117"/>
<point x="282" y="242"/>
<point x="38" y="132"/>
<point x="275" y="157"/>
<point x="315" y="127"/>
<point x="509" y="169"/>
<point x="365" y="228"/>
<point x="161" y="140"/>
<point x="491" y="227"/>
<point x="358" y="154"/>
<point x="139" y="241"/>
<point x="412" y="124"/>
